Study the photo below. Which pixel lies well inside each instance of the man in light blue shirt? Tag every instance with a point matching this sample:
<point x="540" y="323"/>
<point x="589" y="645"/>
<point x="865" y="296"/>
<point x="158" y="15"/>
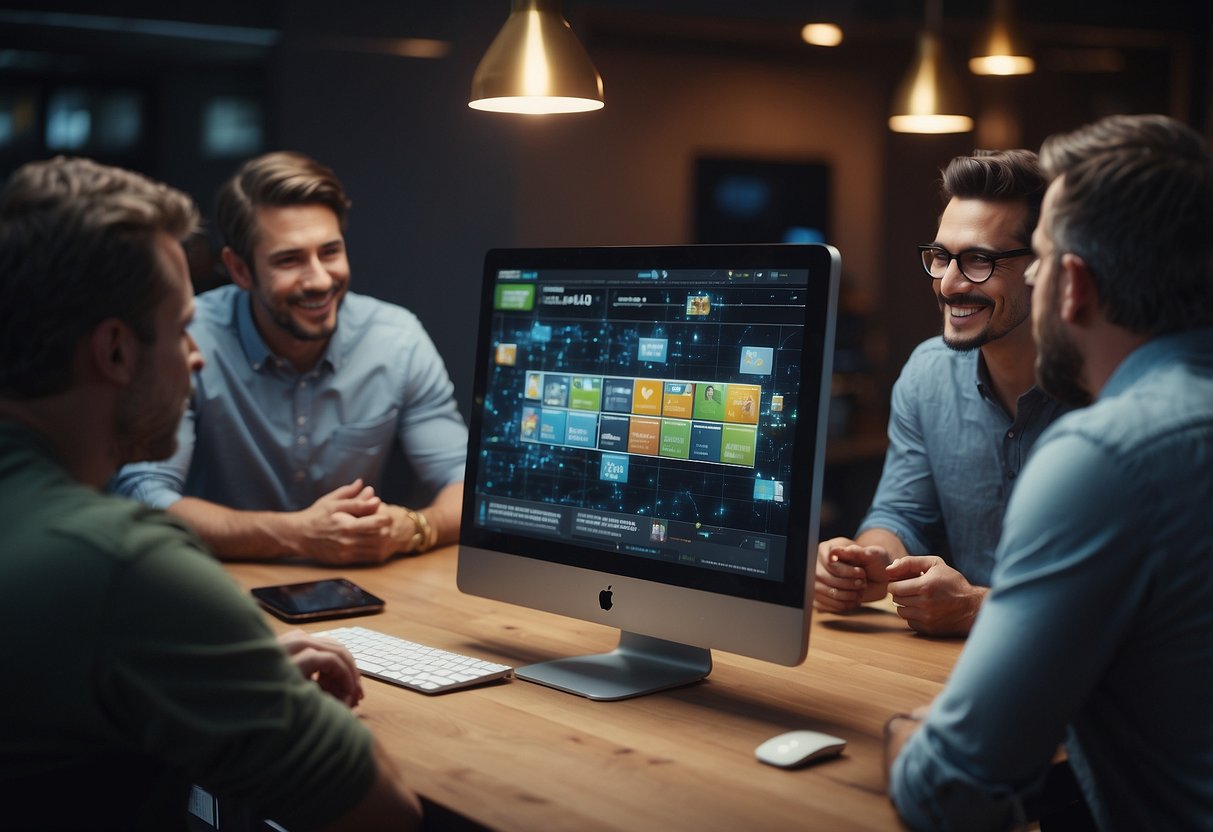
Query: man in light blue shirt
<point x="1098" y="630"/>
<point x="305" y="390"/>
<point x="965" y="412"/>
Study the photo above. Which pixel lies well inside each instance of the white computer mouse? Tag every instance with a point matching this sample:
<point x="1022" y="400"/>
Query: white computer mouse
<point x="798" y="748"/>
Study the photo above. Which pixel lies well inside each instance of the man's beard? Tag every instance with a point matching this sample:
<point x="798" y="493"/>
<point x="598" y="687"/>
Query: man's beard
<point x="146" y="424"/>
<point x="1059" y="364"/>
<point x="1015" y="313"/>
<point x="282" y="317"/>
<point x="288" y="325"/>
<point x="967" y="344"/>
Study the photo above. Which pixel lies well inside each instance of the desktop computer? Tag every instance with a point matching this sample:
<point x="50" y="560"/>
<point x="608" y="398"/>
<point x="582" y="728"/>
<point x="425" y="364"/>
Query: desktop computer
<point x="646" y="451"/>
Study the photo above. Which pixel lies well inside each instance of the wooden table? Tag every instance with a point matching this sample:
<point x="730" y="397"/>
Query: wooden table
<point x="520" y="756"/>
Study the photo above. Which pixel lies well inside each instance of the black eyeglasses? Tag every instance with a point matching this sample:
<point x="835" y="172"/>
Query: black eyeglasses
<point x="975" y="264"/>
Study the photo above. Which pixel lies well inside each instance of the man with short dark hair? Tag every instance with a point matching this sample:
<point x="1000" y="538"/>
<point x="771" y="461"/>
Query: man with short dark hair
<point x="135" y="665"/>
<point x="965" y="412"/>
<point x="1098" y="628"/>
<point x="307" y="389"/>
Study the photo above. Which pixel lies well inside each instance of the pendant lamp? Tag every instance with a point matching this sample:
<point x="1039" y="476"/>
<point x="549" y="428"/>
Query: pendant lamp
<point x="1000" y="51"/>
<point x="536" y="65"/>
<point x="930" y="98"/>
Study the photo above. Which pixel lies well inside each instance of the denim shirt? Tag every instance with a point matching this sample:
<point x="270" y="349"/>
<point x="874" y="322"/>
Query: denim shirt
<point x="954" y="455"/>
<point x="259" y="435"/>
<point x="1098" y="630"/>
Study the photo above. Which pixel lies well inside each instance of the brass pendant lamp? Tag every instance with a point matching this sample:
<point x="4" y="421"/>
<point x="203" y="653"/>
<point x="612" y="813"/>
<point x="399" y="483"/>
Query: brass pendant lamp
<point x="536" y="65"/>
<point x="1000" y="51"/>
<point x="930" y="98"/>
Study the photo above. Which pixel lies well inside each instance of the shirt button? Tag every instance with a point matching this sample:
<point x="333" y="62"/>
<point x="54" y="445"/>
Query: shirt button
<point x="303" y="384"/>
<point x="302" y="440"/>
<point x="1010" y="434"/>
<point x="301" y="421"/>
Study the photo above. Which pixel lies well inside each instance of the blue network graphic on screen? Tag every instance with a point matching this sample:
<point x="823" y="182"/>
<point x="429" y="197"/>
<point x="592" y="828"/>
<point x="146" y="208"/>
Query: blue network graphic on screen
<point x="644" y="413"/>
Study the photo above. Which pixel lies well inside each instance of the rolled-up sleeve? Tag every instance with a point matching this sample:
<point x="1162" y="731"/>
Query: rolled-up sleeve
<point x="931" y="793"/>
<point x="906" y="501"/>
<point x="431" y="430"/>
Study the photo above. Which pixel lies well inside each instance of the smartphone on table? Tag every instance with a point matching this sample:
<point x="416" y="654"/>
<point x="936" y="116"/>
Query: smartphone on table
<point x="317" y="600"/>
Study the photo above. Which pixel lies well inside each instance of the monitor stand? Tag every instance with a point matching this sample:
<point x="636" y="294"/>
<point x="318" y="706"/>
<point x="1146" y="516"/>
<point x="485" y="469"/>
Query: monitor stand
<point x="639" y="665"/>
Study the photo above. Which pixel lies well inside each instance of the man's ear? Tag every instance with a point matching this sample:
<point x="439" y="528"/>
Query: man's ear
<point x="113" y="350"/>
<point x="237" y="268"/>
<point x="1079" y="298"/>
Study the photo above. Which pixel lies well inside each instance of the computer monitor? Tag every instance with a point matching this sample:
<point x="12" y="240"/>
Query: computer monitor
<point x="646" y="451"/>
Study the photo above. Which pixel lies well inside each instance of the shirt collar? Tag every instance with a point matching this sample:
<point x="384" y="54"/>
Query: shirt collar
<point x="343" y="341"/>
<point x="985" y="385"/>
<point x="259" y="354"/>
<point x="25" y="435"/>
<point x="254" y="348"/>
<point x="1192" y="345"/>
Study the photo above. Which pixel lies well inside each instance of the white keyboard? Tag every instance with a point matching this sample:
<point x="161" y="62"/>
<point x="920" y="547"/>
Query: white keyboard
<point x="412" y="665"/>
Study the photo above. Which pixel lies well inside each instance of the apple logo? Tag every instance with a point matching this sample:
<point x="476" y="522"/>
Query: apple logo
<point x="604" y="598"/>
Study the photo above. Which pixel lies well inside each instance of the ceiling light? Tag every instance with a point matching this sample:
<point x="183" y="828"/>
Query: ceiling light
<point x="1000" y="51"/>
<point x="536" y="65"/>
<point x="929" y="98"/>
<point x="821" y="34"/>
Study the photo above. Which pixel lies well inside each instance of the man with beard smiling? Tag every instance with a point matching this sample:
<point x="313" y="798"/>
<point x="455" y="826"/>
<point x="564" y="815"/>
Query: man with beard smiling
<point x="306" y="389"/>
<point x="965" y="412"/>
<point x="1098" y="628"/>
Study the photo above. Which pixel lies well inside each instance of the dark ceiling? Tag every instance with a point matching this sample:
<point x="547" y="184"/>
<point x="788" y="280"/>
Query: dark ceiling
<point x="79" y="38"/>
<point x="1156" y="14"/>
<point x="62" y="25"/>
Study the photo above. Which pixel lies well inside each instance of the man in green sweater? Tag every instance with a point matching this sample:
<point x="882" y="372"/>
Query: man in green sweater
<point x="135" y="666"/>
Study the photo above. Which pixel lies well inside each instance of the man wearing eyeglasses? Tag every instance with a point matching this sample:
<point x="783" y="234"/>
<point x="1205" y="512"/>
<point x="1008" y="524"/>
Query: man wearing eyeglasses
<point x="965" y="412"/>
<point x="1098" y="628"/>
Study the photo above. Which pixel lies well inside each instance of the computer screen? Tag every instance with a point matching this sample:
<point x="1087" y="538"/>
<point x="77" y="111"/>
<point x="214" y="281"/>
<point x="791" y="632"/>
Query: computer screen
<point x="646" y="450"/>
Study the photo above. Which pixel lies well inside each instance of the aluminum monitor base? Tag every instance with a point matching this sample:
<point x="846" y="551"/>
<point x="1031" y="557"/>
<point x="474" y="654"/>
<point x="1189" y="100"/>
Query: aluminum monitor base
<point x="639" y="665"/>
